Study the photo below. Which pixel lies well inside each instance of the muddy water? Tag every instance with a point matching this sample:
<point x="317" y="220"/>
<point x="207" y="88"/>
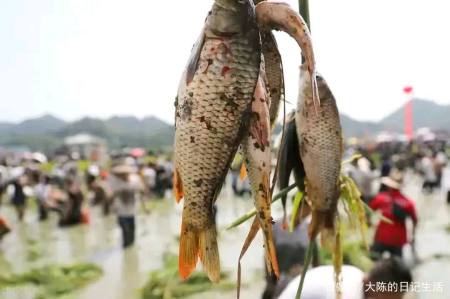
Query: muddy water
<point x="34" y="244"/>
<point x="433" y="242"/>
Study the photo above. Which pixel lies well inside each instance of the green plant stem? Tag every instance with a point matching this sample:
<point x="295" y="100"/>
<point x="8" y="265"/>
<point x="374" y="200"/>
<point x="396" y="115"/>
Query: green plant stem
<point x="252" y="213"/>
<point x="370" y="211"/>
<point x="303" y="8"/>
<point x="308" y="259"/>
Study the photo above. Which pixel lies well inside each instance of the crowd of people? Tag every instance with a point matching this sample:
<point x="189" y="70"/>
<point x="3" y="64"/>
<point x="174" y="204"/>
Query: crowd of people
<point x="379" y="173"/>
<point x="68" y="191"/>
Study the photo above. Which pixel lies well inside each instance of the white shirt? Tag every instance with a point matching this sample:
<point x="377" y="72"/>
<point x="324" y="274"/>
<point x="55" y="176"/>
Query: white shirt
<point x="319" y="284"/>
<point x="428" y="169"/>
<point x="150" y="177"/>
<point x="42" y="192"/>
<point x="126" y="195"/>
<point x="446" y="178"/>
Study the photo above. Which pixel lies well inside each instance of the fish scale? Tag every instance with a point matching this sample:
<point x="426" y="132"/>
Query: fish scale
<point x="320" y="138"/>
<point x="212" y="110"/>
<point x="256" y="150"/>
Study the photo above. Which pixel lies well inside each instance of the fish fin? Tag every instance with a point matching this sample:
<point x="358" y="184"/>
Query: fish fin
<point x="287" y="160"/>
<point x="315" y="225"/>
<point x="273" y="61"/>
<point x="315" y="92"/>
<point x="320" y="221"/>
<point x="243" y="172"/>
<point x="195" y="58"/>
<point x="209" y="253"/>
<point x="188" y="251"/>
<point x="266" y="225"/>
<point x="248" y="241"/>
<point x="285" y="224"/>
<point x="177" y="186"/>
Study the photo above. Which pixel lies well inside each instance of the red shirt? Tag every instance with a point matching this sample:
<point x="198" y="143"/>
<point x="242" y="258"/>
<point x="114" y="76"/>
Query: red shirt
<point x="392" y="234"/>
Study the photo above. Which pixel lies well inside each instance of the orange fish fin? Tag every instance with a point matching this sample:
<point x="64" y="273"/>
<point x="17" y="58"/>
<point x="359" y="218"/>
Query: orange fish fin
<point x="189" y="250"/>
<point x="195" y="58"/>
<point x="266" y="225"/>
<point x="177" y="186"/>
<point x="285" y="224"/>
<point x="243" y="172"/>
<point x="248" y="241"/>
<point x="209" y="253"/>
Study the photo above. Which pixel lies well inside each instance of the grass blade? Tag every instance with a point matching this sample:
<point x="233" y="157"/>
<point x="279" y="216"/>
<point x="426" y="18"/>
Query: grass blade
<point x="252" y="213"/>
<point x="295" y="207"/>
<point x="308" y="259"/>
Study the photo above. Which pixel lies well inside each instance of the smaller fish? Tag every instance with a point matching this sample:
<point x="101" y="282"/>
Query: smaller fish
<point x="289" y="161"/>
<point x="256" y="149"/>
<point x="321" y="147"/>
<point x="273" y="66"/>
<point x="280" y="16"/>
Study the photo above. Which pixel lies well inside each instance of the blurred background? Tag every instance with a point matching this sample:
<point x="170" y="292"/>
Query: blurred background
<point x="87" y="91"/>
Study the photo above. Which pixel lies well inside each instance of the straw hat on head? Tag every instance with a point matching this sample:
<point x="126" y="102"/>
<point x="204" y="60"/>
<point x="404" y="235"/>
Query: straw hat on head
<point x="394" y="180"/>
<point x="122" y="169"/>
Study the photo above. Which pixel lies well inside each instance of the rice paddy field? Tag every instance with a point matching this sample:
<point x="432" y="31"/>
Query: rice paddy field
<point x="113" y="273"/>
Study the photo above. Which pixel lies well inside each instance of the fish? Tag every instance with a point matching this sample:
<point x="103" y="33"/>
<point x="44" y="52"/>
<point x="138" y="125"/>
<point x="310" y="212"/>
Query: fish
<point x="289" y="161"/>
<point x="257" y="155"/>
<point x="273" y="66"/>
<point x="321" y="149"/>
<point x="280" y="16"/>
<point x="212" y="113"/>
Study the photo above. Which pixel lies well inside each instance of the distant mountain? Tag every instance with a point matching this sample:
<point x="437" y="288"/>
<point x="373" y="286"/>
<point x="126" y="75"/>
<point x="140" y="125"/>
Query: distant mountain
<point x="40" y="125"/>
<point x="425" y="114"/>
<point x="124" y="131"/>
<point x="47" y="132"/>
<point x="89" y="125"/>
<point x="352" y="127"/>
<point x="5" y="126"/>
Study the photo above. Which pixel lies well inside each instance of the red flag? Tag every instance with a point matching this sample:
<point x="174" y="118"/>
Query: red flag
<point x="408" y="89"/>
<point x="409" y="125"/>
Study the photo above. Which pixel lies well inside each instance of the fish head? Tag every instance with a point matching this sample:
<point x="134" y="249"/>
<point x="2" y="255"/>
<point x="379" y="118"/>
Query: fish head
<point x="230" y="17"/>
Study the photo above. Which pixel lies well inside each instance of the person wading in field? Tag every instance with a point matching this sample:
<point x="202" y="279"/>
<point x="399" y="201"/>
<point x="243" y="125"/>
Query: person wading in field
<point x="391" y="237"/>
<point x="126" y="193"/>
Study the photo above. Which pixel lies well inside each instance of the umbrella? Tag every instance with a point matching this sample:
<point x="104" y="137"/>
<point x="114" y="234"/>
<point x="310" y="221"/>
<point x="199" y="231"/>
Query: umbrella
<point x="137" y="152"/>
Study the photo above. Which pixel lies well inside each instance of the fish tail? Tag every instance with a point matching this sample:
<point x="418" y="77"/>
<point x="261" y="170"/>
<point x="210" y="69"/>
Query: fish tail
<point x="177" y="186"/>
<point x="271" y="254"/>
<point x="209" y="253"/>
<point x="321" y="220"/>
<point x="266" y="226"/>
<point x="188" y="251"/>
<point x="285" y="224"/>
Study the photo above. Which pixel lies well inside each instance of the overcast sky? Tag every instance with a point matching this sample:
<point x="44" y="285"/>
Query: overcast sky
<point x="74" y="58"/>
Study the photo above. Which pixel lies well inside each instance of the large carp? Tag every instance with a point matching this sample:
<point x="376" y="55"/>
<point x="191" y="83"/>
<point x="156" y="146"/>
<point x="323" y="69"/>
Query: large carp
<point x="212" y="114"/>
